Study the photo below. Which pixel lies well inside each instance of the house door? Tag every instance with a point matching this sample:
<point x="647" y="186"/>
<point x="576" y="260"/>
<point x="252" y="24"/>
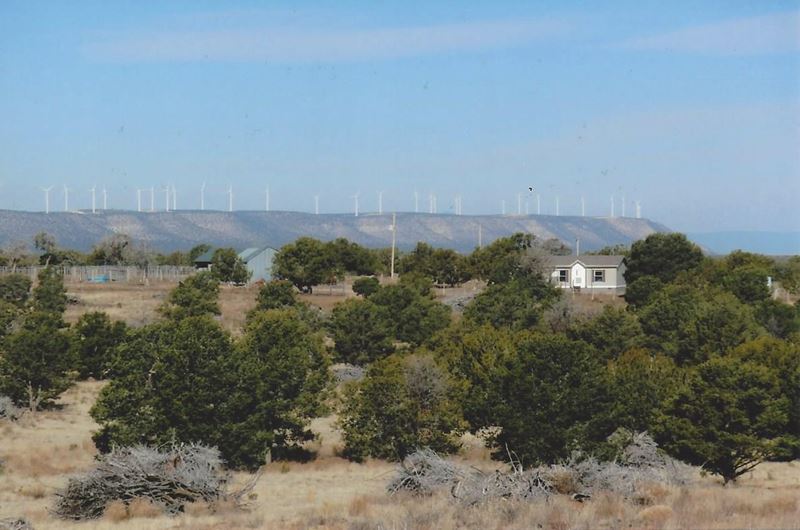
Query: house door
<point x="578" y="276"/>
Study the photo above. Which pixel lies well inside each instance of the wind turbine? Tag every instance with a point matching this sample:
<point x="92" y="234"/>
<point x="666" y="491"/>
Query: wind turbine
<point x="166" y="198"/>
<point x="316" y="204"/>
<point x="93" y="190"/>
<point x="174" y="198"/>
<point x="503" y="206"/>
<point x="458" y="204"/>
<point x="266" y="199"/>
<point x="202" y="196"/>
<point x="46" y="198"/>
<point x="138" y="200"/>
<point x="66" y="198"/>
<point x="152" y="198"/>
<point x="105" y="199"/>
<point x="380" y="203"/>
<point x="557" y="205"/>
<point x="638" y="210"/>
<point x="355" y="200"/>
<point x="230" y="197"/>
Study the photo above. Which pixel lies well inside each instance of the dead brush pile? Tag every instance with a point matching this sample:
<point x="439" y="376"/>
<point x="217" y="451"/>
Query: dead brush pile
<point x="168" y="478"/>
<point x="9" y="410"/>
<point x="640" y="466"/>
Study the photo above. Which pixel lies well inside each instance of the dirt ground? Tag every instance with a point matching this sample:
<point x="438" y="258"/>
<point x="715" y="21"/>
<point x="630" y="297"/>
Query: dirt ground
<point x="40" y="453"/>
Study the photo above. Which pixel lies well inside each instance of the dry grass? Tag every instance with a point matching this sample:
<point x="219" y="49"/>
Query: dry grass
<point x="330" y="493"/>
<point x="40" y="452"/>
<point x="136" y="304"/>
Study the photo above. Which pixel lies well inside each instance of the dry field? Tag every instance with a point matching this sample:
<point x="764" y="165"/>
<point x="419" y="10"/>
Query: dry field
<point x="39" y="453"/>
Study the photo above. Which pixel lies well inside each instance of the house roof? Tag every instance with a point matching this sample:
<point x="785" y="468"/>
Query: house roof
<point x="250" y="253"/>
<point x="246" y="254"/>
<point x="587" y="260"/>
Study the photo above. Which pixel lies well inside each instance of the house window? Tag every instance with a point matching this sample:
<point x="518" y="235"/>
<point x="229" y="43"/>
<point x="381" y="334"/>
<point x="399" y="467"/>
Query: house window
<point x="563" y="275"/>
<point x="599" y="276"/>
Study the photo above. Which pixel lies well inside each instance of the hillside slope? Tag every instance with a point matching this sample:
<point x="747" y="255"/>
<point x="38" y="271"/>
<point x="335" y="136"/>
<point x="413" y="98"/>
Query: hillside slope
<point x="168" y="231"/>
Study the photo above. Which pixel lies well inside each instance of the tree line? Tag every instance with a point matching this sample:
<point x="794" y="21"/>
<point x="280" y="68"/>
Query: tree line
<point x="702" y="357"/>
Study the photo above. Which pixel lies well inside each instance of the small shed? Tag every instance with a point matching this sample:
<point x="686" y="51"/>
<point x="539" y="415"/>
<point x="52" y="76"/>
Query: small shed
<point x="203" y="261"/>
<point x="259" y="262"/>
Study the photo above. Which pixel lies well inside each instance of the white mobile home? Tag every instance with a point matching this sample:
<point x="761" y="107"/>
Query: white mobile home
<point x="596" y="273"/>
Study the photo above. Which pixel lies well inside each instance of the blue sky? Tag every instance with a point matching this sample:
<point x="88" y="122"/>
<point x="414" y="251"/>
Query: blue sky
<point x="692" y="108"/>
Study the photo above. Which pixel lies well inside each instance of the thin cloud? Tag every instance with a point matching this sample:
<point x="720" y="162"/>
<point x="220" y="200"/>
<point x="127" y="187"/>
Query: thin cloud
<point x="288" y="45"/>
<point x="766" y="34"/>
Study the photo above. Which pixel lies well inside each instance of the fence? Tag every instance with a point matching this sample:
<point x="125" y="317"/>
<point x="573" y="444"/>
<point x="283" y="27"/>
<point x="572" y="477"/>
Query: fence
<point x="110" y="273"/>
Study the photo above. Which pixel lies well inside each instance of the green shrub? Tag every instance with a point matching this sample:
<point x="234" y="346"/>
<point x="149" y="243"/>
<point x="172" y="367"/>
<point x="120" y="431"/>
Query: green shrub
<point x="36" y="364"/>
<point x="550" y="398"/>
<point x="361" y="331"/>
<point x="280" y="381"/>
<point x="366" y="287"/>
<point x="403" y="403"/>
<point x="276" y="294"/>
<point x="228" y="267"/>
<point x="93" y="341"/>
<point x="185" y="381"/>
<point x="195" y="296"/>
<point x="727" y="418"/>
<point x="49" y="294"/>
<point x="15" y="289"/>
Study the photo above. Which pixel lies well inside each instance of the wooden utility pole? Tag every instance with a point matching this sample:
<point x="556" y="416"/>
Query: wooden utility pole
<point x="394" y="242"/>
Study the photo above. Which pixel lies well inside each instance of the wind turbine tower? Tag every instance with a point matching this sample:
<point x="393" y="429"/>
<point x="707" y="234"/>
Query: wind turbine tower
<point x="638" y="210"/>
<point x="380" y="203"/>
<point x="66" y="198"/>
<point x="93" y="190"/>
<point x="152" y="198"/>
<point x="355" y="204"/>
<point x="230" y="197"/>
<point x="166" y="198"/>
<point x="174" y="198"/>
<point x="105" y="199"/>
<point x="316" y="204"/>
<point x="202" y="196"/>
<point x="503" y="206"/>
<point x="138" y="200"/>
<point x="266" y="199"/>
<point x="557" y="206"/>
<point x="46" y="198"/>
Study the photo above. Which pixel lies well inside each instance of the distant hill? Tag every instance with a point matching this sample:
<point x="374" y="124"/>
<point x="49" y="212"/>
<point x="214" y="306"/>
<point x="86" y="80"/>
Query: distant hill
<point x="770" y="243"/>
<point x="168" y="231"/>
